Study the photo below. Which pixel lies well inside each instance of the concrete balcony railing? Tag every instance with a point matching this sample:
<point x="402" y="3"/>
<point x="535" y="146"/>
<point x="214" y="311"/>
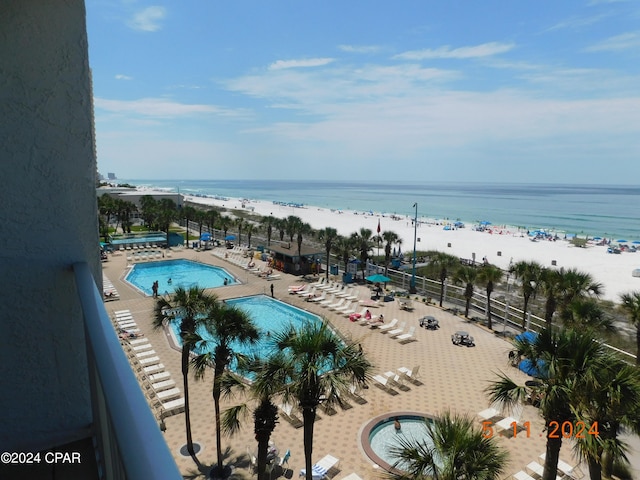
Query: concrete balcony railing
<point x="130" y="444"/>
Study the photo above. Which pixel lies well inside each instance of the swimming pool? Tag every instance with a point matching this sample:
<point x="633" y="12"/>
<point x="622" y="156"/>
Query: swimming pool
<point x="157" y="239"/>
<point x="268" y="314"/>
<point x="177" y="273"/>
<point x="380" y="436"/>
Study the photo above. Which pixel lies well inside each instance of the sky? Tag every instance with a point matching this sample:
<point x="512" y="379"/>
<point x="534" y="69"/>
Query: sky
<point x="534" y="91"/>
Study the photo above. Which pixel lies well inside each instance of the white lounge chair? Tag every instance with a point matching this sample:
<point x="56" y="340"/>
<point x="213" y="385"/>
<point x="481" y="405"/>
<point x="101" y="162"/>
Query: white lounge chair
<point x="405" y="337"/>
<point x="522" y="475"/>
<point x="159" y="377"/>
<point x="413" y="374"/>
<point x="343" y="308"/>
<point x="163" y="385"/>
<point x="383" y="382"/>
<point x="328" y="301"/>
<point x="321" y="298"/>
<point x="389" y="326"/>
<point x="335" y="305"/>
<point x="538" y="469"/>
<point x="322" y="467"/>
<point x="397" y="331"/>
<point x="489" y="413"/>
<point x="168" y="394"/>
<point x="349" y="311"/>
<point x="565" y="468"/>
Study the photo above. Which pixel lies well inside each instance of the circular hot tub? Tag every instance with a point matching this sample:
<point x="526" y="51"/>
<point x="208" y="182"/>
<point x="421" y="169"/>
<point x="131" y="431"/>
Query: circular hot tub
<point x="380" y="435"/>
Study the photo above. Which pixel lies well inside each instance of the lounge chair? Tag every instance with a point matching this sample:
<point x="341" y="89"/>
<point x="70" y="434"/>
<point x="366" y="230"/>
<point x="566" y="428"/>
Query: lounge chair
<point x="285" y="458"/>
<point x="273" y="277"/>
<point x="321" y="298"/>
<point x="349" y="311"/>
<point x="397" y="331"/>
<point x="383" y="383"/>
<point x="406" y="337"/>
<point x="148" y="353"/>
<point x="153" y="369"/>
<point x="389" y="326"/>
<point x="489" y="413"/>
<point x="413" y="375"/>
<point x="168" y="394"/>
<point x="538" y="469"/>
<point x="319" y="284"/>
<point x="507" y="424"/>
<point x="565" y="468"/>
<point x="328" y="301"/>
<point x="335" y="305"/>
<point x="522" y="475"/>
<point x="163" y="385"/>
<point x="394" y="378"/>
<point x="159" y="377"/>
<point x="322" y="467"/>
<point x="343" y="308"/>
<point x="172" y="407"/>
<point x="150" y="361"/>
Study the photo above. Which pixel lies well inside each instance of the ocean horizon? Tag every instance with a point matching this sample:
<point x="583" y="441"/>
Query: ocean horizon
<point x="609" y="211"/>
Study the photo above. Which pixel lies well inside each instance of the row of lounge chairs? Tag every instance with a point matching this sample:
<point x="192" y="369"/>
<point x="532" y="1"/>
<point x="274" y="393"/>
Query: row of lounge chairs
<point x="109" y="292"/>
<point x="391" y="380"/>
<point x="158" y="386"/>
<point x="146" y="256"/>
<point x="391" y="329"/>
<point x="506" y="423"/>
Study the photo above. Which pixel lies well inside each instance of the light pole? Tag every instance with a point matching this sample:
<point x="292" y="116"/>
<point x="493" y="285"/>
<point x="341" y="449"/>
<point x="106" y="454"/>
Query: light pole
<point x="412" y="286"/>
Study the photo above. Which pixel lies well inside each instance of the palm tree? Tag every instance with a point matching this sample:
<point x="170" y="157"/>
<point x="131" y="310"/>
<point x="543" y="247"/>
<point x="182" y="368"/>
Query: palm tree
<point x="587" y="312"/>
<point x="227" y="326"/>
<point x="267" y="382"/>
<point x="188" y="213"/>
<point x="250" y="228"/>
<point x="575" y="286"/>
<point x="631" y="305"/>
<point x="529" y="275"/>
<point x="489" y="275"/>
<point x="319" y="368"/>
<point x="389" y="238"/>
<point x="281" y="225"/>
<point x="167" y="213"/>
<point x="362" y="243"/>
<point x="211" y="219"/>
<point x="269" y="223"/>
<point x="328" y="235"/>
<point x="301" y="229"/>
<point x="189" y="306"/>
<point x="458" y="450"/>
<point x="344" y="248"/>
<point x="225" y="223"/>
<point x="440" y="264"/>
<point x="550" y="285"/>
<point x="291" y="224"/>
<point x="468" y="276"/>
<point x="565" y="359"/>
<point x="610" y="399"/>
<point x="240" y="223"/>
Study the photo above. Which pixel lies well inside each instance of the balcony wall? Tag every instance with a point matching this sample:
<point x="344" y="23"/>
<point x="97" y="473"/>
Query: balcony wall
<point x="49" y="222"/>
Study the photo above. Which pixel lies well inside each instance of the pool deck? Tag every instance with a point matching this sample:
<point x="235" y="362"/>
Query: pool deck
<point x="452" y="377"/>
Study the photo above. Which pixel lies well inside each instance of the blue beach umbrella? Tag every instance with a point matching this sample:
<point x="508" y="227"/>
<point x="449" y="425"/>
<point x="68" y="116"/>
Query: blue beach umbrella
<point x="378" y="278"/>
<point x="205" y="237"/>
<point x="527" y="336"/>
<point x="485" y="222"/>
<point x="622" y="241"/>
<point x="637" y="242"/>
<point x="228" y="238"/>
<point x="597" y="238"/>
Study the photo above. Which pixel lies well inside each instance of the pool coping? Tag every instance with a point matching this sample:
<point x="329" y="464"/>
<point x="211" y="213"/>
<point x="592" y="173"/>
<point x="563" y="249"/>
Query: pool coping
<point x="366" y="429"/>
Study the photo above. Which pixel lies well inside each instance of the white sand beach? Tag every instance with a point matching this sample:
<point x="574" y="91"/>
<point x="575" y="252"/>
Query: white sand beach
<point x="499" y="244"/>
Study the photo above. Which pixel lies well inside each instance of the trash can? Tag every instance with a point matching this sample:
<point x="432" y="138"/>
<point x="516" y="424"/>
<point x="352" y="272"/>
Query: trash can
<point x="260" y="248"/>
<point x="333" y="270"/>
<point x="347" y="278"/>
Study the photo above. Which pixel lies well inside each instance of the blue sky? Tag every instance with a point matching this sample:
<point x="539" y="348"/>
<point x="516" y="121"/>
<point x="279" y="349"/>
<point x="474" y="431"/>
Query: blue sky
<point x="468" y="90"/>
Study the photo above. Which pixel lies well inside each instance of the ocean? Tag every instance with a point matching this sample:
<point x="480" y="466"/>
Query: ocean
<point x="608" y="211"/>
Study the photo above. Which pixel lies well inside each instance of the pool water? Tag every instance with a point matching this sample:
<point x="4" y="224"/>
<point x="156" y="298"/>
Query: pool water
<point x="139" y="239"/>
<point x="269" y="315"/>
<point x="383" y="437"/>
<point x="171" y="274"/>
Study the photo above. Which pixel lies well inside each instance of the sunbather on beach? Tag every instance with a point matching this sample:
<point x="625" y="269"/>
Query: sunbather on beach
<point x="124" y="334"/>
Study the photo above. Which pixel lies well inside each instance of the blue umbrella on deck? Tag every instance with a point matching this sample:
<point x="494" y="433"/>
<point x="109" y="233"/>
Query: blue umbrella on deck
<point x="205" y="237"/>
<point x="229" y="238"/>
<point x="534" y="369"/>
<point x="527" y="336"/>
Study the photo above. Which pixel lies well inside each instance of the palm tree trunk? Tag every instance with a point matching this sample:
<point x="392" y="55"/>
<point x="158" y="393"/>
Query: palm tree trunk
<point x="551" y="457"/>
<point x="466" y="307"/>
<point x="442" y="280"/>
<point x="489" y="323"/>
<point x="638" y="344"/>
<point x="309" y="418"/>
<point x="524" y="310"/>
<point x="595" y="469"/>
<point x="263" y="445"/>
<point x="185" y="384"/>
<point x="216" y="405"/>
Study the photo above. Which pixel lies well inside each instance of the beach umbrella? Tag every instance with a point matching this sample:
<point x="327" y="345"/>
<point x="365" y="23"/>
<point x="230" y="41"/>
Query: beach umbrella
<point x="637" y="242"/>
<point x="527" y="336"/>
<point x="622" y="241"/>
<point x="485" y="222"/>
<point x="534" y="369"/>
<point x="378" y="278"/>
<point x="205" y="237"/>
<point x="228" y="238"/>
<point x="597" y="238"/>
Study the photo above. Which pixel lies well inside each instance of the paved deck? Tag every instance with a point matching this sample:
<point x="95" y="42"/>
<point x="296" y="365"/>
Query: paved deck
<point x="452" y="378"/>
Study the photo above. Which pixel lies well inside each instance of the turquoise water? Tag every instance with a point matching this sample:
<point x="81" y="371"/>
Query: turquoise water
<point x="182" y="273"/>
<point x="151" y="239"/>
<point x="603" y="210"/>
<point x="269" y="315"/>
<point x="383" y="437"/>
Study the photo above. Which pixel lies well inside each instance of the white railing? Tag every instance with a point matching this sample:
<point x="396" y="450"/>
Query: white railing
<point x="130" y="444"/>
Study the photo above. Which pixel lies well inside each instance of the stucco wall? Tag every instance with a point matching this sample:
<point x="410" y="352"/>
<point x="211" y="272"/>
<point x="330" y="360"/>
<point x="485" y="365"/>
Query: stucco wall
<point x="48" y="218"/>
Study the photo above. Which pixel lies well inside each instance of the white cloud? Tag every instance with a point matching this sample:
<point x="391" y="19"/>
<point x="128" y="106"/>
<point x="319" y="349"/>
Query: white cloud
<point x="304" y="63"/>
<point x="476" y="51"/>
<point x="625" y="41"/>
<point x="360" y="48"/>
<point x="123" y="77"/>
<point x="148" y="20"/>
<point x="577" y="22"/>
<point x="159" y="108"/>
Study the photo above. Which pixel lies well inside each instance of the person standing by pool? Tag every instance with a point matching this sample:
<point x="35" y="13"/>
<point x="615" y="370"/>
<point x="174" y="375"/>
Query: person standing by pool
<point x="272" y="291"/>
<point x="396" y="424"/>
<point x="154" y="288"/>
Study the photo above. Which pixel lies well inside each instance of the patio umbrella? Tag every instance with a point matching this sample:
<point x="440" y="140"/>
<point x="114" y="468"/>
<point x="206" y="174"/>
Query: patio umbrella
<point x="228" y="238"/>
<point x="527" y="336"/>
<point x="205" y="237"/>
<point x="534" y="369"/>
<point x="378" y="278"/>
